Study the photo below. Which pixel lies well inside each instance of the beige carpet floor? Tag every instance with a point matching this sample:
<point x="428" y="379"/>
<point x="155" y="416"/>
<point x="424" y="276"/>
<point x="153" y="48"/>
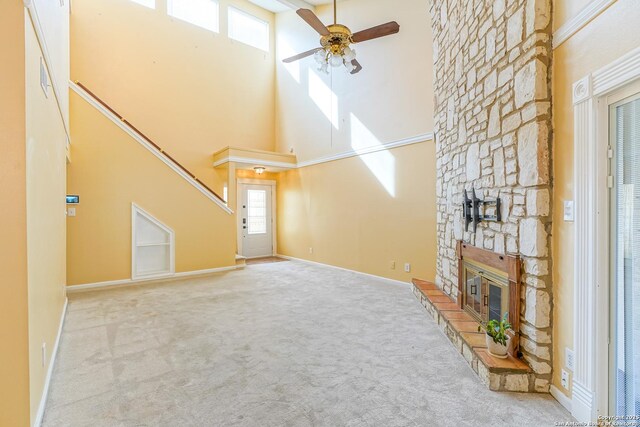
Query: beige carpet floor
<point x="279" y="344"/>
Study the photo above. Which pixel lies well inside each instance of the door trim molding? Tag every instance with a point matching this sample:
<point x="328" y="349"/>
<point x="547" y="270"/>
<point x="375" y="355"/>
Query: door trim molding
<point x="591" y="231"/>
<point x="274" y="234"/>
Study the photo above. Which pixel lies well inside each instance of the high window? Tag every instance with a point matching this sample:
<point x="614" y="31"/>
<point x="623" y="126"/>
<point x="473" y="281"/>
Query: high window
<point x="203" y="13"/>
<point x="248" y="29"/>
<point x="151" y="4"/>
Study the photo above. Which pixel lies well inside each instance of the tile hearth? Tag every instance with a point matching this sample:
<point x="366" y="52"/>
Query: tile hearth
<point x="509" y="374"/>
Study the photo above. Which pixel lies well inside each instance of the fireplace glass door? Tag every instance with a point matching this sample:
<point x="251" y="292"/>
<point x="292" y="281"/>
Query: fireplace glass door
<point x="498" y="300"/>
<point x="486" y="295"/>
<point x="473" y="293"/>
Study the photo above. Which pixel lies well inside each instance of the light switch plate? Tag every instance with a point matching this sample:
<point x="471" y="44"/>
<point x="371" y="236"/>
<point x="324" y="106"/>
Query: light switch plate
<point x="71" y="211"/>
<point x="569" y="361"/>
<point x="568" y="211"/>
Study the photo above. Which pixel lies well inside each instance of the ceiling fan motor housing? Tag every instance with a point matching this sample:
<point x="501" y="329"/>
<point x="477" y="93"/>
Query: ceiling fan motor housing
<point x="338" y="39"/>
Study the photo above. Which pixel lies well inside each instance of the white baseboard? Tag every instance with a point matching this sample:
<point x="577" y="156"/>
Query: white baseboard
<point x="396" y="282"/>
<point x="52" y="362"/>
<point x="126" y="282"/>
<point x="561" y="397"/>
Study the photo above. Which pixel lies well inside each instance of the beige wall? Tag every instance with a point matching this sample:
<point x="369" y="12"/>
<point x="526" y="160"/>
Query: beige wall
<point x="389" y="100"/>
<point x="32" y="253"/>
<point x="605" y="39"/>
<point x="14" y="337"/>
<point x="341" y="211"/>
<point x="364" y="212"/>
<point x="46" y="222"/>
<point x="192" y="91"/>
<point x="110" y="171"/>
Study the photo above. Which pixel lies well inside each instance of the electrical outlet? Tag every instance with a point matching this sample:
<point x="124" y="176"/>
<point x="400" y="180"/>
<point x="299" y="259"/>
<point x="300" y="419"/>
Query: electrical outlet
<point x="407" y="267"/>
<point x="565" y="379"/>
<point x="310" y="250"/>
<point x="44" y="354"/>
<point x="392" y="265"/>
<point x="569" y="359"/>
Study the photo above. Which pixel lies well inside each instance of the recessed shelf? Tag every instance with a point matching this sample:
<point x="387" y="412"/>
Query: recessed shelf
<point x="142" y="245"/>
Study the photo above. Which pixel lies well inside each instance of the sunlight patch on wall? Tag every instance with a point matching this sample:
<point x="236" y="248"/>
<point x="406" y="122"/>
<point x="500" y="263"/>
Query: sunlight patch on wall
<point x="382" y="164"/>
<point x="324" y="98"/>
<point x="285" y="50"/>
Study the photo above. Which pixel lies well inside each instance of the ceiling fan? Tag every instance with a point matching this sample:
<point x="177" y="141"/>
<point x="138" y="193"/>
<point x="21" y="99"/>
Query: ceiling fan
<point x="336" y="40"/>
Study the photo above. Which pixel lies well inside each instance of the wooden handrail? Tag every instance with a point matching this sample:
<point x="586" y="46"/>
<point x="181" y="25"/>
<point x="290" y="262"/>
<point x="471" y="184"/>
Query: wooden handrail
<point x="147" y="139"/>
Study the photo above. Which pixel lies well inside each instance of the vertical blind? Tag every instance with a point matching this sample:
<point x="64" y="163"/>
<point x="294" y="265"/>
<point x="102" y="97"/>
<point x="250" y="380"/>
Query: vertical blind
<point x="626" y="355"/>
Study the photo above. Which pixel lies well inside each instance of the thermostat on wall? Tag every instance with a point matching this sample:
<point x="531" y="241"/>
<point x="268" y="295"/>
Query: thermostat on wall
<point x="73" y="200"/>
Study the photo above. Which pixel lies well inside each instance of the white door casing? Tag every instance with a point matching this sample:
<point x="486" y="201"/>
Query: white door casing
<point x="256" y="218"/>
<point x="591" y="258"/>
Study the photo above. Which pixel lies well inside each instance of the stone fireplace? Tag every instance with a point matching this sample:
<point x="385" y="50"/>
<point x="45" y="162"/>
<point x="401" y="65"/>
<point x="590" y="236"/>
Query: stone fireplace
<point x="492" y="90"/>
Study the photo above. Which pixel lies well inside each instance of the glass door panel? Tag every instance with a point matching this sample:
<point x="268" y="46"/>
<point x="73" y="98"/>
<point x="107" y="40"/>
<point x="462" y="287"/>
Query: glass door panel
<point x="625" y="356"/>
<point x="473" y="292"/>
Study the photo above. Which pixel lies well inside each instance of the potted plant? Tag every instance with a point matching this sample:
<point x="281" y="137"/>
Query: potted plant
<point x="497" y="336"/>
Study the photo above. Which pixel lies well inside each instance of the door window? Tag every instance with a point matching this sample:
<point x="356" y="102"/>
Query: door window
<point x="256" y="211"/>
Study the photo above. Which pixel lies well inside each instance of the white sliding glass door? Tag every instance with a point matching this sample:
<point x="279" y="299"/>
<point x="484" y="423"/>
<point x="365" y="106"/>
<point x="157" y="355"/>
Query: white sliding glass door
<point x="624" y="359"/>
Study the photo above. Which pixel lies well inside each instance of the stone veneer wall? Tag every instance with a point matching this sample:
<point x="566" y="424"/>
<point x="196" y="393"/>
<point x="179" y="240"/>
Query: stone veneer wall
<point x="493" y="133"/>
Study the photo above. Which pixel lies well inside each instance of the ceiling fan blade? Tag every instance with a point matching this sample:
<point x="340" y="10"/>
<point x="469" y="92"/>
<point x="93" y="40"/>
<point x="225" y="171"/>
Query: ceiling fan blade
<point x="376" y="32"/>
<point x="301" y="55"/>
<point x="357" y="65"/>
<point x="315" y="22"/>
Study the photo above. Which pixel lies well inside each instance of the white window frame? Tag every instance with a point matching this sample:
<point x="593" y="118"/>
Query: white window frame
<point x="592" y="233"/>
<point x="217" y="27"/>
<point x="253" y="17"/>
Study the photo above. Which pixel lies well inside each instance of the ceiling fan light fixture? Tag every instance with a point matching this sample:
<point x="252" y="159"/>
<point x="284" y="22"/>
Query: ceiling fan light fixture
<point x="349" y="66"/>
<point x="336" y="39"/>
<point x="336" y="60"/>
<point x="349" y="54"/>
<point x="320" y="57"/>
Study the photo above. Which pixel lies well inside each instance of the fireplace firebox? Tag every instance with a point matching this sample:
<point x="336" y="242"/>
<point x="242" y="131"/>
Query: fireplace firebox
<point x="489" y="286"/>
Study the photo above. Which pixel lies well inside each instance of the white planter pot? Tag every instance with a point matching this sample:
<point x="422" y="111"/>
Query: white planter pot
<point x="496" y="349"/>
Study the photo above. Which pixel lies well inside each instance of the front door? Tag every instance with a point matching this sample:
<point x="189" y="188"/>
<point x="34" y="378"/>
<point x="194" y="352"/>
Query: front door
<point x="624" y="356"/>
<point x="256" y="222"/>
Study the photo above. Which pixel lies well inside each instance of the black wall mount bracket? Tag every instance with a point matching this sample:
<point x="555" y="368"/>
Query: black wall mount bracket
<point x="475" y="210"/>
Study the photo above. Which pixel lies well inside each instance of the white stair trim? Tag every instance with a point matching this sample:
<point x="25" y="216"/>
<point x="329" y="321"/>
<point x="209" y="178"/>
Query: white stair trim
<point x="84" y="95"/>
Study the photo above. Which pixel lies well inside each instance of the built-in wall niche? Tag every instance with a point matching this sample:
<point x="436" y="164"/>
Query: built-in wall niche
<point x="153" y="246"/>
